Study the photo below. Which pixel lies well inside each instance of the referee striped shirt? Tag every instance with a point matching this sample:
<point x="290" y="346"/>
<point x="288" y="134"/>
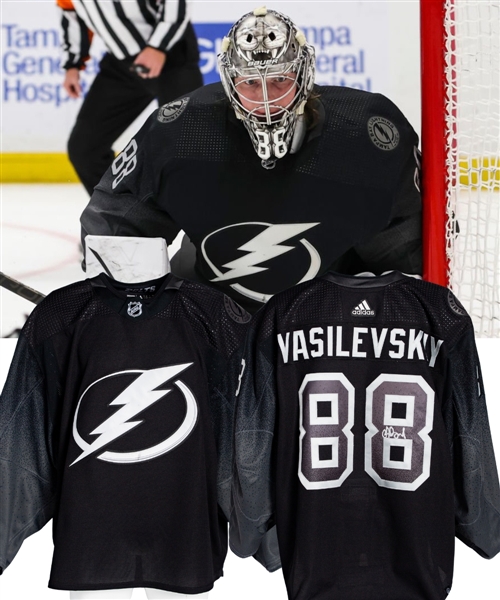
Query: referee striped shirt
<point x="125" y="26"/>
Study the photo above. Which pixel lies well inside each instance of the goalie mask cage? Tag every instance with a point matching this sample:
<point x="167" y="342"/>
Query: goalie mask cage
<point x="460" y="56"/>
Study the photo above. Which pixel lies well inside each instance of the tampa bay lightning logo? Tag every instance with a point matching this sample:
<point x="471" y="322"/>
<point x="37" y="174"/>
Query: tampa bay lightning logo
<point x="142" y="392"/>
<point x="383" y="133"/>
<point x="255" y="260"/>
<point x="173" y="110"/>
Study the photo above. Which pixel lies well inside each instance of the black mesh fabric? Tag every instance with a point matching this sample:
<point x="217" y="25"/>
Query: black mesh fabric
<point x="362" y="431"/>
<point x="207" y="315"/>
<point x="137" y="502"/>
<point x="204" y="309"/>
<point x="348" y="111"/>
<point x="61" y="309"/>
<point x="200" y="143"/>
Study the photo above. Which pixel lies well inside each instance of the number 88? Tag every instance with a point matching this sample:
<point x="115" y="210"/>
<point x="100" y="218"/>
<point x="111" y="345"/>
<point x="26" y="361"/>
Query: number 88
<point x="394" y="458"/>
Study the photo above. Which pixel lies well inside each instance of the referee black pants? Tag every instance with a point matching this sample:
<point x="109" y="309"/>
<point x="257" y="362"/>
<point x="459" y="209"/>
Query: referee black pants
<point x="115" y="99"/>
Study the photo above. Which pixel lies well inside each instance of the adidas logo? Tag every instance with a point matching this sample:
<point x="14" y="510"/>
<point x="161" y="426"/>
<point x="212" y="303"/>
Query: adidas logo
<point x="363" y="310"/>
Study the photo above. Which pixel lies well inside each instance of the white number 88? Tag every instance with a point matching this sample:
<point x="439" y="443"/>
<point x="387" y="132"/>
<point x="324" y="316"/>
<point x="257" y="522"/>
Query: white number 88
<point x="124" y="163"/>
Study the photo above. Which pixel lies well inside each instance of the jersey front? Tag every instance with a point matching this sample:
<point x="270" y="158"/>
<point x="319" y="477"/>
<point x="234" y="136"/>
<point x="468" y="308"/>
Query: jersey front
<point x="364" y="403"/>
<point x="348" y="198"/>
<point x="115" y="420"/>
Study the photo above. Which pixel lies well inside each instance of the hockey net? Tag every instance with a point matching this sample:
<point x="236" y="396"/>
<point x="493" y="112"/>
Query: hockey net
<point x="460" y="49"/>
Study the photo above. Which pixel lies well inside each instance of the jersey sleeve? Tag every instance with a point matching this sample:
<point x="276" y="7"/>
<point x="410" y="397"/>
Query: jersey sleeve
<point x="477" y="491"/>
<point x="252" y="503"/>
<point x="222" y="324"/>
<point x="222" y="401"/>
<point x="399" y="245"/>
<point x="233" y="322"/>
<point x="171" y="25"/>
<point x="125" y="201"/>
<point x="76" y="37"/>
<point x="27" y="473"/>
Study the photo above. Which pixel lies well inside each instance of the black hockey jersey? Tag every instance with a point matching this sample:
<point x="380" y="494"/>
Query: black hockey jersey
<point x="115" y="421"/>
<point x="361" y="430"/>
<point x="347" y="200"/>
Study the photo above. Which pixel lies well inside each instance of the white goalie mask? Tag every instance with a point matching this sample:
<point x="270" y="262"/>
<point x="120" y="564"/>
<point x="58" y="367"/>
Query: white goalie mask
<point x="267" y="70"/>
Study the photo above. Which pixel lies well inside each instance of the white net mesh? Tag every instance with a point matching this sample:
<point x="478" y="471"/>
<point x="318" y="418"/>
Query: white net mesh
<point x="473" y="162"/>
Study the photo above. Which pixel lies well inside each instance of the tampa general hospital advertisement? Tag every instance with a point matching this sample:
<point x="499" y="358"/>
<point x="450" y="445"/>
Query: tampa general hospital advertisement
<point x="367" y="44"/>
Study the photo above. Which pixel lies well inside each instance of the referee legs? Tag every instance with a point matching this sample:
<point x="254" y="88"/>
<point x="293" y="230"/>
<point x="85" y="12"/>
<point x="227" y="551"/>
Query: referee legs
<point x="115" y="99"/>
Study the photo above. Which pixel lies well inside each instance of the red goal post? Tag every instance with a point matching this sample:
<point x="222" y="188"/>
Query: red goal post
<point x="434" y="175"/>
<point x="460" y="84"/>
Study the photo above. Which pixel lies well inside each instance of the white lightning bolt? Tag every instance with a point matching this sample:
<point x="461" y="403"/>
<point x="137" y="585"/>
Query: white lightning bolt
<point x="135" y="398"/>
<point x="263" y="247"/>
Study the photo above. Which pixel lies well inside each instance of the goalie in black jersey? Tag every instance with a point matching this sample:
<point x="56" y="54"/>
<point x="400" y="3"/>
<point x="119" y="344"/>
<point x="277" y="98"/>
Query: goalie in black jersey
<point x="273" y="180"/>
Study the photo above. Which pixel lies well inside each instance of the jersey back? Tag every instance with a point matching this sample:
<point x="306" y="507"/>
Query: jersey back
<point x="378" y="401"/>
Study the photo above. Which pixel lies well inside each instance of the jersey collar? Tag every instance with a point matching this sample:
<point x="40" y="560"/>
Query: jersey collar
<point x="136" y="300"/>
<point x="367" y="280"/>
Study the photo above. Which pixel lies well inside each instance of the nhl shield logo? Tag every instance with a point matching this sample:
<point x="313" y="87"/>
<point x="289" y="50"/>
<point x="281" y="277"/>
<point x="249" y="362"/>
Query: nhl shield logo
<point x="134" y="309"/>
<point x="171" y="111"/>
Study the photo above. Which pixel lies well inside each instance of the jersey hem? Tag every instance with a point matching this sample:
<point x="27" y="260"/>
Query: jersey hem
<point x="58" y="585"/>
<point x="271" y="567"/>
<point x="274" y="566"/>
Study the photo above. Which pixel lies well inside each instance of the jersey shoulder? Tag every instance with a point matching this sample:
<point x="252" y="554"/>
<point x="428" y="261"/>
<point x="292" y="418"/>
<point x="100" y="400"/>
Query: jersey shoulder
<point x="207" y="102"/>
<point x="364" y="136"/>
<point x="213" y="316"/>
<point x="360" y="105"/>
<point x="372" y="120"/>
<point x="60" y="309"/>
<point x="399" y="298"/>
<point x="438" y="305"/>
<point x="193" y="126"/>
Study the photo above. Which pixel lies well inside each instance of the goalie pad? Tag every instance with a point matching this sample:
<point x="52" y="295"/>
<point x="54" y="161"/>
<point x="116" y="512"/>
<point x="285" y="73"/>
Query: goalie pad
<point x="126" y="259"/>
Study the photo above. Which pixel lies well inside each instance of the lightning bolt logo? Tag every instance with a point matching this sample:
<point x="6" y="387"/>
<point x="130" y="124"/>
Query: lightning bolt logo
<point x="383" y="132"/>
<point x="263" y="247"/>
<point x="138" y="396"/>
